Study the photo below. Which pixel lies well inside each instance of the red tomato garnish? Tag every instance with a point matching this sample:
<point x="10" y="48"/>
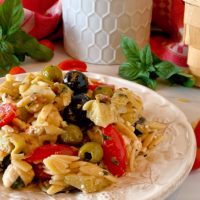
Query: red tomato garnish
<point x="73" y="65"/>
<point x="39" y="154"/>
<point x="17" y="70"/>
<point x="48" y="44"/>
<point x="7" y="113"/>
<point x="196" y="164"/>
<point x="115" y="155"/>
<point x="197" y="133"/>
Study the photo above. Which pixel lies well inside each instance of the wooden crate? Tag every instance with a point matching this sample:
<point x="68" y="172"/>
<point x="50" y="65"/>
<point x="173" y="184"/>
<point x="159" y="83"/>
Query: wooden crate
<point x="192" y="35"/>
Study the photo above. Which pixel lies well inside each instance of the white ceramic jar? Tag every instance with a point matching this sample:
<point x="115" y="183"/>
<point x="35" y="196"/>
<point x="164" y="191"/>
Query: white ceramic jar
<point x="93" y="28"/>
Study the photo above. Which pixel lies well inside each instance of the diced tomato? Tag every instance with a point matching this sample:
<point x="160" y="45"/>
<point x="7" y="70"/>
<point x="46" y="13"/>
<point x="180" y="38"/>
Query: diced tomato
<point x="73" y="65"/>
<point x="115" y="155"/>
<point x="96" y="84"/>
<point x="39" y="172"/>
<point x="48" y="44"/>
<point x="17" y="70"/>
<point x="39" y="154"/>
<point x="197" y="133"/>
<point x="196" y="164"/>
<point x="7" y="113"/>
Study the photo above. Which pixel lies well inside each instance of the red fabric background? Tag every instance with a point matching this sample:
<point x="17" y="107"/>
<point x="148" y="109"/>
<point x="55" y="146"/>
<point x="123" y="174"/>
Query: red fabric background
<point x="43" y="19"/>
<point x="167" y="44"/>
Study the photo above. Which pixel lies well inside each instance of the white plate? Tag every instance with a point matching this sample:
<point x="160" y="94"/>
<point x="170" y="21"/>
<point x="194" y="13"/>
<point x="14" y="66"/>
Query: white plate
<point x="156" y="178"/>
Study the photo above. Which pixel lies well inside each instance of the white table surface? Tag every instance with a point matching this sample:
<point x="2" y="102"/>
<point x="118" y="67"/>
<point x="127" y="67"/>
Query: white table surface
<point x="187" y="99"/>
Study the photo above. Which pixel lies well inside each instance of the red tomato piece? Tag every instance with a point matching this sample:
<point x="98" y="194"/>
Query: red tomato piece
<point x="17" y="70"/>
<point x="93" y="86"/>
<point x="39" y="172"/>
<point x="196" y="164"/>
<point x="48" y="44"/>
<point x="197" y="133"/>
<point x="73" y="65"/>
<point x="7" y="113"/>
<point x="115" y="155"/>
<point x="39" y="154"/>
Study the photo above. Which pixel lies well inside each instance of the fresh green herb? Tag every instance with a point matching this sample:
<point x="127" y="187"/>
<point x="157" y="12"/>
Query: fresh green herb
<point x="105" y="137"/>
<point x="18" y="184"/>
<point x="143" y="67"/>
<point x="114" y="161"/>
<point x="15" y="44"/>
<point x="105" y="173"/>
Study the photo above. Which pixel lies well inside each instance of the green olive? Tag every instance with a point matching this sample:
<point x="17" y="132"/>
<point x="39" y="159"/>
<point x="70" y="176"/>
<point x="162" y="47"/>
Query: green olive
<point x="52" y="73"/>
<point x="91" y="151"/>
<point x="73" y="135"/>
<point x="104" y="89"/>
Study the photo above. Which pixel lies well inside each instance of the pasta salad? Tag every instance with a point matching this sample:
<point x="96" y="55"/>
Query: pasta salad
<point x="67" y="131"/>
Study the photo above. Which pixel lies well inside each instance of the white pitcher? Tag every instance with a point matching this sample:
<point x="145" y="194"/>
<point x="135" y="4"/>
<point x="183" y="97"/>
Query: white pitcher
<point x="93" y="28"/>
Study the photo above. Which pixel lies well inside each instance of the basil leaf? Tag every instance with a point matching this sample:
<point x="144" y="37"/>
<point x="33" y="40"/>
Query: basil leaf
<point x="146" y="56"/>
<point x="147" y="82"/>
<point x="7" y="60"/>
<point x="6" y="47"/>
<point x="166" y="69"/>
<point x="11" y="16"/>
<point x="145" y="67"/>
<point x="20" y="56"/>
<point x="151" y="83"/>
<point x="132" y="71"/>
<point x="184" y="79"/>
<point x="26" y="44"/>
<point x="1" y="33"/>
<point x="156" y="60"/>
<point x="130" y="49"/>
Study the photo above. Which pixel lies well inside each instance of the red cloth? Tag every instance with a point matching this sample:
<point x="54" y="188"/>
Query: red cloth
<point x="168" y="17"/>
<point x="42" y="17"/>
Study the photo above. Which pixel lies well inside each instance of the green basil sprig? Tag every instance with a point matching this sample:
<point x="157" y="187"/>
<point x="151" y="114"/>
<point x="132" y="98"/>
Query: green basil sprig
<point x="15" y="44"/>
<point x="144" y="67"/>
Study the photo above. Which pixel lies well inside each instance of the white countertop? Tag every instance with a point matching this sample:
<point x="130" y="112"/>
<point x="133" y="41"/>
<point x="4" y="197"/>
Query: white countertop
<point x="187" y="99"/>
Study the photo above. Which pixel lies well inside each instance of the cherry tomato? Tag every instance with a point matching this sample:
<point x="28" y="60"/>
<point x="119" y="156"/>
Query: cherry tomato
<point x="197" y="133"/>
<point x="39" y="154"/>
<point x="17" y="70"/>
<point x="7" y="113"/>
<point x="196" y="164"/>
<point x="73" y="65"/>
<point x="48" y="44"/>
<point x="114" y="149"/>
